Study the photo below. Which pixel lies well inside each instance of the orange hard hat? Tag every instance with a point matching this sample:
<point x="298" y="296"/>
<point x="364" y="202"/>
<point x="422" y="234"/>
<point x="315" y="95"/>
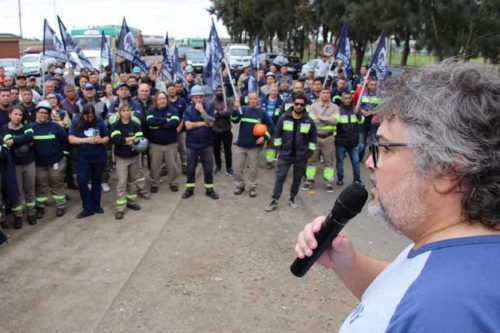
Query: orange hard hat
<point x="259" y="130"/>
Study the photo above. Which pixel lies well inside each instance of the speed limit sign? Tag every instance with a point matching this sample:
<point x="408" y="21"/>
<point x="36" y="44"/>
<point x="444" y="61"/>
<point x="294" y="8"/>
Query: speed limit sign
<point x="328" y="49"/>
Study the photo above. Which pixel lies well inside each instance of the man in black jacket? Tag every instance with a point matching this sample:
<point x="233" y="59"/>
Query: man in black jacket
<point x="348" y="137"/>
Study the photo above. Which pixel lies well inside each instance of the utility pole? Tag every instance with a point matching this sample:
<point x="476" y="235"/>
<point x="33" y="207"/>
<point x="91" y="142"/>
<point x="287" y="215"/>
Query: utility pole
<point x="20" y="23"/>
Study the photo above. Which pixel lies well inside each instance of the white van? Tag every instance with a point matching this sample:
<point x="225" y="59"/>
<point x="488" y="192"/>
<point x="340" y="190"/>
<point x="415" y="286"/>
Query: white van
<point x="238" y="55"/>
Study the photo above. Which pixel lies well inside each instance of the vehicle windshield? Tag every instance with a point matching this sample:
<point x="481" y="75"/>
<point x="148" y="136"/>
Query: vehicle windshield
<point x="7" y="63"/>
<point x="196" y="56"/>
<point x="240" y="52"/>
<point x="88" y="43"/>
<point x="30" y="58"/>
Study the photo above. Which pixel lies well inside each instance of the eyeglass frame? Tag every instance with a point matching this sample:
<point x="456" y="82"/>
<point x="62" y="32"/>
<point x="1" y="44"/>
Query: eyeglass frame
<point x="375" y="152"/>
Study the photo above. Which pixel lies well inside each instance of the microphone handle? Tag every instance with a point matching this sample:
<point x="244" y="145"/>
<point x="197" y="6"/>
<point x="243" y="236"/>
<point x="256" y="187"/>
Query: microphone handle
<point x="330" y="229"/>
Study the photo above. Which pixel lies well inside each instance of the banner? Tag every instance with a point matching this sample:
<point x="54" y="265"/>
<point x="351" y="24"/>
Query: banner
<point x="128" y="49"/>
<point x="343" y="50"/>
<point x="167" y="70"/>
<point x="379" y="59"/>
<point x="52" y="46"/>
<point x="106" y="52"/>
<point x="213" y="58"/>
<point x="252" y="81"/>
<point x="71" y="46"/>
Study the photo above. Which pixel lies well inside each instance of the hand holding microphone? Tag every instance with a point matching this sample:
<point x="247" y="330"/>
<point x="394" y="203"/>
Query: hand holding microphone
<point x="317" y="237"/>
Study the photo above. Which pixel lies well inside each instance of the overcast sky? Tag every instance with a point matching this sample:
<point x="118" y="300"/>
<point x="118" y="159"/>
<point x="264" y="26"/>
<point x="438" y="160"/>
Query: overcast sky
<point x="182" y="18"/>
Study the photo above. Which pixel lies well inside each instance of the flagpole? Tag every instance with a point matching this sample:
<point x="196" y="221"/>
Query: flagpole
<point x="358" y="103"/>
<point x="223" y="88"/>
<point x="236" y="96"/>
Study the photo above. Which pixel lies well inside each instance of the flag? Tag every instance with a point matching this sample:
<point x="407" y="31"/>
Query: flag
<point x="176" y="64"/>
<point x="252" y="81"/>
<point x="343" y="49"/>
<point x="379" y="59"/>
<point x="106" y="52"/>
<point x="167" y="70"/>
<point x="71" y="46"/>
<point x="52" y="46"/>
<point x="127" y="48"/>
<point x="213" y="58"/>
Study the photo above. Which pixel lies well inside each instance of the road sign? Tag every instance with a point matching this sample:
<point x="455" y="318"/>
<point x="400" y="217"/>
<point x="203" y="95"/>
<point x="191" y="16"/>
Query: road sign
<point x="328" y="49"/>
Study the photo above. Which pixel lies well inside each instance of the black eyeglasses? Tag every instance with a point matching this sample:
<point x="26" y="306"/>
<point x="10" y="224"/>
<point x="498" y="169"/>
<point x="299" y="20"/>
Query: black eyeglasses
<point x="375" y="151"/>
<point x="300" y="104"/>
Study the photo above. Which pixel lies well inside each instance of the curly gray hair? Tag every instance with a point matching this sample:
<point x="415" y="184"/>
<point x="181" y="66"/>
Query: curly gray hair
<point x="451" y="112"/>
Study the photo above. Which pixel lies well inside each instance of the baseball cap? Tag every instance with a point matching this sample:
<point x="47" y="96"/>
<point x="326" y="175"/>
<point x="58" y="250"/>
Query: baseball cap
<point x="270" y="74"/>
<point x="137" y="70"/>
<point x="59" y="71"/>
<point x="88" y="86"/>
<point x="197" y="90"/>
<point x="120" y="85"/>
<point x="44" y="105"/>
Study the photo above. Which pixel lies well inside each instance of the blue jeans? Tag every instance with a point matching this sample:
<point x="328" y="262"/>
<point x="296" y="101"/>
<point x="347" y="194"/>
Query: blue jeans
<point x="299" y="168"/>
<point x="366" y="136"/>
<point x="353" y="156"/>
<point x="90" y="168"/>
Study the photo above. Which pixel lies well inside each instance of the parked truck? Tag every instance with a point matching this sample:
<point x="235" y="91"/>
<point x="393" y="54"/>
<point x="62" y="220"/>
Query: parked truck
<point x="89" y="40"/>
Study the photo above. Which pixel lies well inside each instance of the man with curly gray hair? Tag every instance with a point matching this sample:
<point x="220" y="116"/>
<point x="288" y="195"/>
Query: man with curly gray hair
<point x="435" y="169"/>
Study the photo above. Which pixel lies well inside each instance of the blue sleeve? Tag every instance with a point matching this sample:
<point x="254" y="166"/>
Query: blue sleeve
<point x="188" y="114"/>
<point x="174" y="119"/>
<point x="269" y="124"/>
<point x="103" y="130"/>
<point x="72" y="129"/>
<point x="63" y="139"/>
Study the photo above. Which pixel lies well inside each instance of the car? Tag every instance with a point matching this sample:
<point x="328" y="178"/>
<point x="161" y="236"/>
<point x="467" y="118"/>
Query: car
<point x="269" y="56"/>
<point x="238" y="55"/>
<point x="32" y="64"/>
<point x="295" y="62"/>
<point x="182" y="51"/>
<point x="12" y="66"/>
<point x="311" y="65"/>
<point x="196" y="58"/>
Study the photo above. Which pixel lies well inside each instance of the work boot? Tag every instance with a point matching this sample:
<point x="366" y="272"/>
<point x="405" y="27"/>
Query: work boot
<point x="230" y="172"/>
<point x="174" y="187"/>
<point x="31" y="219"/>
<point x="154" y="189"/>
<point x="269" y="165"/>
<point x="239" y="190"/>
<point x="307" y="186"/>
<point x="329" y="188"/>
<point x="71" y="185"/>
<point x="272" y="206"/>
<point x="217" y="170"/>
<point x="119" y="215"/>
<point x="292" y="203"/>
<point x="40" y="212"/>
<point x="187" y="193"/>
<point x="60" y="211"/>
<point x="212" y="194"/>
<point x="18" y="222"/>
<point x="252" y="193"/>
<point x="145" y="195"/>
<point x="134" y="206"/>
<point x="340" y="182"/>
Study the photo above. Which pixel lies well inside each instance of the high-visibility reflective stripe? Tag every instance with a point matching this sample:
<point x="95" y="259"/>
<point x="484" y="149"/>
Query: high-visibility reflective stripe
<point x="115" y="133"/>
<point x="136" y="120"/>
<point x="154" y="127"/>
<point x="270" y="155"/>
<point x="30" y="204"/>
<point x="370" y="99"/>
<point x="7" y="137"/>
<point x="304" y="128"/>
<point x="189" y="184"/>
<point x="59" y="197"/>
<point x="174" y="117"/>
<point x="44" y="137"/>
<point x="121" y="202"/>
<point x="313" y="116"/>
<point x="276" y="112"/>
<point x="277" y="142"/>
<point x="308" y="108"/>
<point x="136" y="134"/>
<point x="345" y="119"/>
<point x="131" y="196"/>
<point x="65" y="152"/>
<point x="41" y="199"/>
<point x="328" y="174"/>
<point x="209" y="185"/>
<point x="327" y="127"/>
<point x="17" y="208"/>
<point x="267" y="135"/>
<point x="288" y="126"/>
<point x="310" y="172"/>
<point x="288" y="105"/>
<point x="29" y="130"/>
<point x="149" y="117"/>
<point x="250" y="120"/>
<point x="234" y="117"/>
<point x="312" y="146"/>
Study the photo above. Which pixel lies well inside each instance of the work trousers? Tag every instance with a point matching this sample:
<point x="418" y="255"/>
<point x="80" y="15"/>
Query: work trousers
<point x="193" y="156"/>
<point x="325" y="147"/>
<point x="181" y="147"/>
<point x="25" y="177"/>
<point x="127" y="171"/>
<point x="158" y="154"/>
<point x="50" y="178"/>
<point x="246" y="157"/>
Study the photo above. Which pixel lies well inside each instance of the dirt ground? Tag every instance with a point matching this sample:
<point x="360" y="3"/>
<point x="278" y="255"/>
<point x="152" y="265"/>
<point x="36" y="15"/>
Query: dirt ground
<point x="194" y="265"/>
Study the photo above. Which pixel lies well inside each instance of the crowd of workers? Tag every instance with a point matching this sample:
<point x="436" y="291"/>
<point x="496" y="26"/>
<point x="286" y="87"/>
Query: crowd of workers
<point x="92" y="123"/>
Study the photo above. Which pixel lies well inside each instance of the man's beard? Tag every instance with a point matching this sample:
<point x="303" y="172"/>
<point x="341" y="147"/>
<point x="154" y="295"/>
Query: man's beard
<point x="402" y="209"/>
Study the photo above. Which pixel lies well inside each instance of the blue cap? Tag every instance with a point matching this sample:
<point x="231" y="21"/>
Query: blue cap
<point x="189" y="69"/>
<point x="137" y="69"/>
<point x="88" y="86"/>
<point x="59" y="71"/>
<point x="121" y="84"/>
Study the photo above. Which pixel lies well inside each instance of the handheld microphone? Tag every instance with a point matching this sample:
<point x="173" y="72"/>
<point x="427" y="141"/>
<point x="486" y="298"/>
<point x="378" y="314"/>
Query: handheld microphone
<point x="349" y="203"/>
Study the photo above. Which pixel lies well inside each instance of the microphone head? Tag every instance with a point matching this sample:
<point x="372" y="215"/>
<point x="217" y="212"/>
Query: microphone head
<point x="353" y="197"/>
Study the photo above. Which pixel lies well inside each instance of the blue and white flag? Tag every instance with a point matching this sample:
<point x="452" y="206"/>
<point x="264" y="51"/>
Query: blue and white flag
<point x="343" y="51"/>
<point x="167" y="70"/>
<point x="213" y="58"/>
<point x="176" y="64"/>
<point x="106" y="52"/>
<point x="71" y="46"/>
<point x="252" y="81"/>
<point x="52" y="46"/>
<point x="127" y="48"/>
<point x="379" y="59"/>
